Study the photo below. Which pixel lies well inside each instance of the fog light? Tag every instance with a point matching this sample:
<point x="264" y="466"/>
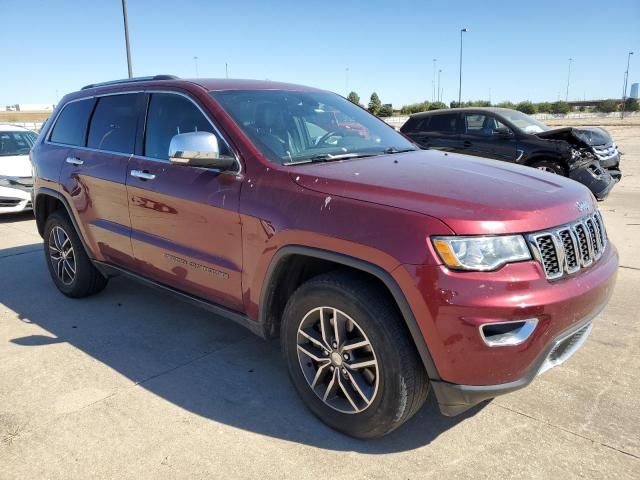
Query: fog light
<point x="504" y="334"/>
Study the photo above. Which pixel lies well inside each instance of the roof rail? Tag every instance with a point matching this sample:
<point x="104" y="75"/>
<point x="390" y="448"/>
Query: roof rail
<point x="131" y="80"/>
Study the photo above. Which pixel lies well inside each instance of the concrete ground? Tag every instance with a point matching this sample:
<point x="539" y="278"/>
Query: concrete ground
<point x="135" y="384"/>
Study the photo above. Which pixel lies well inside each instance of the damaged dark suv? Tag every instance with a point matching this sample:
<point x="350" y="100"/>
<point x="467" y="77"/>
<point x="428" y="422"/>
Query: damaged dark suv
<point x="587" y="155"/>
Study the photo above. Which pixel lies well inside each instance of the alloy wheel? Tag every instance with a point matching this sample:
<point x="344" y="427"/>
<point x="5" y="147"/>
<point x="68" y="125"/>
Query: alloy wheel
<point x="337" y="360"/>
<point x="62" y="255"/>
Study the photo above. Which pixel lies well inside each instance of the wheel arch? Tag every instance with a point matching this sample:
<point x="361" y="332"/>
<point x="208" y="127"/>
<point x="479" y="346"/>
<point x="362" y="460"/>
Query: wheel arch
<point x="549" y="157"/>
<point x="48" y="201"/>
<point x="287" y="271"/>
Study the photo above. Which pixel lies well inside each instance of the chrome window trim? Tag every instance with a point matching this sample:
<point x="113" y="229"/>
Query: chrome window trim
<point x="48" y="141"/>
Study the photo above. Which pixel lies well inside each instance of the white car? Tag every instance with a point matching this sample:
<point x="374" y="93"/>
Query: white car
<point x="16" y="179"/>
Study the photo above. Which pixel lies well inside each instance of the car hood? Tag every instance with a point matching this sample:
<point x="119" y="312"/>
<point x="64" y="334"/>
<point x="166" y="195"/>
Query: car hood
<point x="15" y="166"/>
<point x="583" y="136"/>
<point x="471" y="195"/>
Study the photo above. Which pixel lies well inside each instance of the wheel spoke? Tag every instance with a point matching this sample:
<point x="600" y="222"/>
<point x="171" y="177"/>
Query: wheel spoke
<point x="331" y="387"/>
<point x="362" y="364"/>
<point x="346" y="394"/>
<point x="312" y="356"/>
<point x="317" y="342"/>
<point x="352" y="346"/>
<point x="322" y="370"/>
<point x="358" y="386"/>
<point x="339" y="327"/>
<point x="323" y="328"/>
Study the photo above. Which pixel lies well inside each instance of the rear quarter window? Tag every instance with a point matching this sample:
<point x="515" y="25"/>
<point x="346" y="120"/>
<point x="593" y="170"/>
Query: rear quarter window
<point x="443" y="123"/>
<point x="113" y="125"/>
<point x="71" y="126"/>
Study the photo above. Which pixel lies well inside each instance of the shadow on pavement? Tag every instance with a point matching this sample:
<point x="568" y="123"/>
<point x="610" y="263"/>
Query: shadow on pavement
<point x="16" y="217"/>
<point x="186" y="356"/>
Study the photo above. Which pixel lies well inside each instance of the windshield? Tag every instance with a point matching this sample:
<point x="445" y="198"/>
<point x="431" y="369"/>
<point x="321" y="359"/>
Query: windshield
<point x="524" y="122"/>
<point x="16" y="143"/>
<point x="290" y="127"/>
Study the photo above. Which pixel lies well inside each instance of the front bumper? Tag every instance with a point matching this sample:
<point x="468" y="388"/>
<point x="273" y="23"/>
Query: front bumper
<point x="454" y="399"/>
<point x="452" y="307"/>
<point x="13" y="200"/>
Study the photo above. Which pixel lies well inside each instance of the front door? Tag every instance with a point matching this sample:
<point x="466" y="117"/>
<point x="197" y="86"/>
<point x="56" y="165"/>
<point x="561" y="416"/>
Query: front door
<point x="185" y="223"/>
<point x="485" y="136"/>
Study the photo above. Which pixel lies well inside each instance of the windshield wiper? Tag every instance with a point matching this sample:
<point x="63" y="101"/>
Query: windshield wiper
<point x="392" y="150"/>
<point x="327" y="157"/>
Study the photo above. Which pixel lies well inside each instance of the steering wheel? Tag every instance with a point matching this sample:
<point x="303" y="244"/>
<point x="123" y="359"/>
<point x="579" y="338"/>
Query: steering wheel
<point x="326" y="137"/>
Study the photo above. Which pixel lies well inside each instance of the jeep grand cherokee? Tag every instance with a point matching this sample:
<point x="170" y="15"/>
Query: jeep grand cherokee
<point x="386" y="271"/>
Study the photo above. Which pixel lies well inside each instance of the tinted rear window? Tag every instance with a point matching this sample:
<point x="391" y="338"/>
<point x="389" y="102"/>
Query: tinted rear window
<point x="445" y="123"/>
<point x="71" y="126"/>
<point x="113" y="125"/>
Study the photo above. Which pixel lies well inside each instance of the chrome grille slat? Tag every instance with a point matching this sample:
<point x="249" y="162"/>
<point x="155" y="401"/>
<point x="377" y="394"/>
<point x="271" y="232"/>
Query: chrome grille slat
<point x="567" y="249"/>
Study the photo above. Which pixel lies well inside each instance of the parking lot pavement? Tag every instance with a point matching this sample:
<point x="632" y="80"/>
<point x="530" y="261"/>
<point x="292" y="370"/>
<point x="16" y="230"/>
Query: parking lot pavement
<point x="132" y="383"/>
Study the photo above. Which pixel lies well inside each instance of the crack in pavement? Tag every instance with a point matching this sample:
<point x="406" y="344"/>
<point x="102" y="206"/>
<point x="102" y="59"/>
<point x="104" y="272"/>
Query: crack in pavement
<point x="584" y="437"/>
<point x="629" y="268"/>
<point x="39" y="249"/>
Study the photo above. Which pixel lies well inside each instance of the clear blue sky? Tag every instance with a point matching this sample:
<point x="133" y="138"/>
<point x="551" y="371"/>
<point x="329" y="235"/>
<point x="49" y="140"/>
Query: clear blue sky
<point x="518" y="50"/>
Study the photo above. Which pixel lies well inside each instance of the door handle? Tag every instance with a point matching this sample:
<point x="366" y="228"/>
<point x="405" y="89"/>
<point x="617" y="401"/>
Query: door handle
<point x="74" y="161"/>
<point x="142" y="175"/>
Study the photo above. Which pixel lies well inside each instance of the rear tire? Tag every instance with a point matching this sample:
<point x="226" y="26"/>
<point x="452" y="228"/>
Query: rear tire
<point x="71" y="269"/>
<point x="363" y="401"/>
<point x="550" y="166"/>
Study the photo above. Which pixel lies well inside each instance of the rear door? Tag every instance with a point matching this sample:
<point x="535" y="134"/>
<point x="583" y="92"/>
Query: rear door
<point x="483" y="136"/>
<point x="94" y="174"/>
<point x="438" y="131"/>
<point x="186" y="229"/>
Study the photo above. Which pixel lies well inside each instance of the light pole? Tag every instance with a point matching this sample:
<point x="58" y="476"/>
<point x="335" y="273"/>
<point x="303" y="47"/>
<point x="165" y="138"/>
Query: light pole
<point x="226" y="70"/>
<point x="439" y="96"/>
<point x="346" y="79"/>
<point x="624" y="87"/>
<point x="433" y="82"/>
<point x="195" y="60"/>
<point x="462" y="30"/>
<point x="566" y="99"/>
<point x="126" y="37"/>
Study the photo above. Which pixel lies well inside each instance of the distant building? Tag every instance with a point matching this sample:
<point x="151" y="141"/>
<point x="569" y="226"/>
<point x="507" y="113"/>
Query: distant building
<point x="30" y="107"/>
<point x="634" y="90"/>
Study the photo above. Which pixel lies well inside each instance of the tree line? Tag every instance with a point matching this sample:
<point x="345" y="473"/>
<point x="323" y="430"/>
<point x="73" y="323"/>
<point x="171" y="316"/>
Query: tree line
<point x="376" y="107"/>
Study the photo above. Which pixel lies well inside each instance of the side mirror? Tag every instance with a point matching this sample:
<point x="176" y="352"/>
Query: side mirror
<point x="502" y="132"/>
<point x="198" y="149"/>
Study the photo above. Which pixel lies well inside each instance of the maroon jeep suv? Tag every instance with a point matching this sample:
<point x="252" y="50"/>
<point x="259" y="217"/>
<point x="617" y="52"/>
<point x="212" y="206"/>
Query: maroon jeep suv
<point x="387" y="271"/>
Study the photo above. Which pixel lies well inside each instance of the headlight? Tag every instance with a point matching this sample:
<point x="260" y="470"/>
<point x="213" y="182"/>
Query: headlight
<point x="481" y="253"/>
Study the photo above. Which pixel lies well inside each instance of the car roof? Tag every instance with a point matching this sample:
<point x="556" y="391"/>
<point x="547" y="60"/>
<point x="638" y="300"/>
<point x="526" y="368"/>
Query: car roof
<point x="210" y="84"/>
<point x="465" y="109"/>
<point x="12" y="128"/>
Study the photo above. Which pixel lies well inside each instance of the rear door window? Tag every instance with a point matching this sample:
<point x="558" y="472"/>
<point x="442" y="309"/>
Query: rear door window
<point x="169" y="115"/>
<point x="71" y="126"/>
<point x="113" y="125"/>
<point x="444" y="123"/>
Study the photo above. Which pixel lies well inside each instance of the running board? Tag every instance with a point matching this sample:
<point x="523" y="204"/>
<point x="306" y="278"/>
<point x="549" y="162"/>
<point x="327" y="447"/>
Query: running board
<point x="255" y="327"/>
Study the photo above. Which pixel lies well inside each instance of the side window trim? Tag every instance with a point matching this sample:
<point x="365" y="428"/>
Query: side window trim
<point x="150" y="92"/>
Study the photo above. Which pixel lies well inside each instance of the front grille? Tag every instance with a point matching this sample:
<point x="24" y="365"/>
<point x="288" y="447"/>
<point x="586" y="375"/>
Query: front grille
<point x="567" y="249"/>
<point x="605" y="152"/>
<point x="9" y="202"/>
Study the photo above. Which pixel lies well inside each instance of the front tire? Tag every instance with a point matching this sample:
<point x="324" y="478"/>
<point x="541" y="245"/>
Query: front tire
<point x="71" y="269"/>
<point x="549" y="166"/>
<point x="350" y="357"/>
